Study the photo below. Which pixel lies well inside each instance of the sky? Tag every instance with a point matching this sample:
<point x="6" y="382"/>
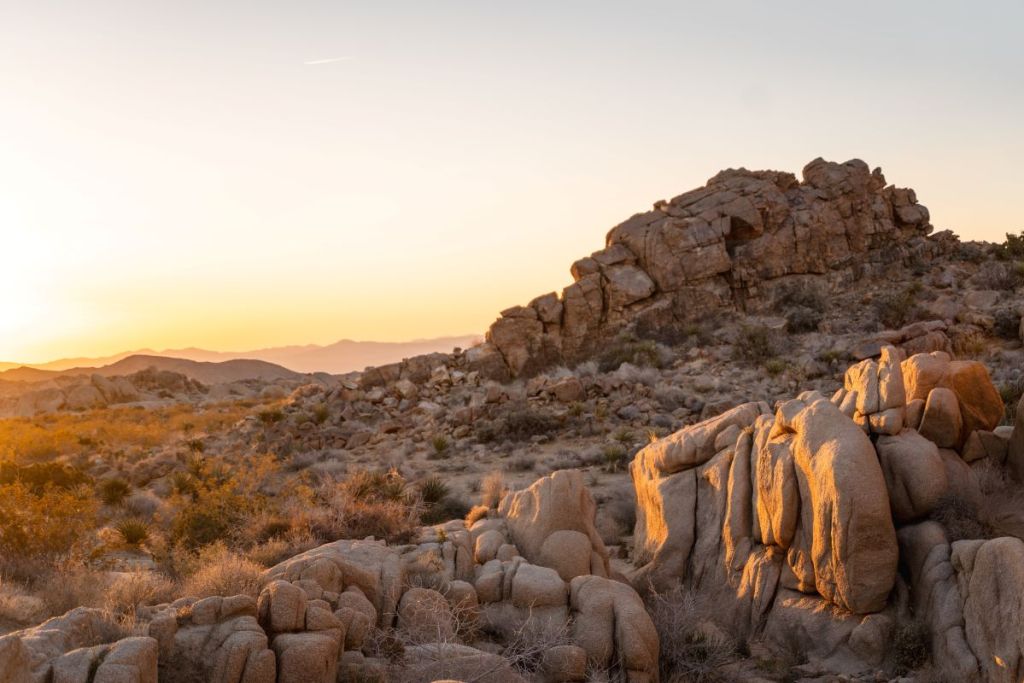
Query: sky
<point x="236" y="175"/>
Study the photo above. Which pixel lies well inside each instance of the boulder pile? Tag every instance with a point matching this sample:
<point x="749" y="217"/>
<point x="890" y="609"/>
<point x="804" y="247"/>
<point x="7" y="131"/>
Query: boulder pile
<point x="525" y="588"/>
<point x="729" y="245"/>
<point x="798" y="519"/>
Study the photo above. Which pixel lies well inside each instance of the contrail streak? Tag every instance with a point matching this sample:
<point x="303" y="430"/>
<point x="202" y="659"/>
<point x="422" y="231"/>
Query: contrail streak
<point x="329" y="60"/>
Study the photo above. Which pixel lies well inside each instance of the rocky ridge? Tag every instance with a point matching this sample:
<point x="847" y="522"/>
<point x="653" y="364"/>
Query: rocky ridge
<point x="730" y="245"/>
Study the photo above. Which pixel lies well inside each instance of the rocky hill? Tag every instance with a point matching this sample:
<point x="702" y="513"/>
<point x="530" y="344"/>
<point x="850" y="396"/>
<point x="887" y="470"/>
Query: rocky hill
<point x="737" y="243"/>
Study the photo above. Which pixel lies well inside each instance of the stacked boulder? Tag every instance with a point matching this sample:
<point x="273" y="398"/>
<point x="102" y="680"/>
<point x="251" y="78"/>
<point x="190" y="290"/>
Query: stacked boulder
<point x="64" y="650"/>
<point x="800" y="519"/>
<point x="729" y="245"/>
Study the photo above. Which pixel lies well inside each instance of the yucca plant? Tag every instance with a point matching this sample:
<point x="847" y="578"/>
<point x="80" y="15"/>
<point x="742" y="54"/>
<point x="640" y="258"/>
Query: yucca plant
<point x="134" y="532"/>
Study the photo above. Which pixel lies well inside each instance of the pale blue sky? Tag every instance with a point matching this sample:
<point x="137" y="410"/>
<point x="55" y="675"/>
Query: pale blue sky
<point x="175" y="173"/>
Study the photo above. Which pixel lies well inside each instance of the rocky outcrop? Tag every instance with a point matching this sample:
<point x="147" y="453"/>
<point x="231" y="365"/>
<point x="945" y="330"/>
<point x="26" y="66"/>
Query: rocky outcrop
<point x="790" y="519"/>
<point x="65" y="650"/>
<point x="728" y="245"/>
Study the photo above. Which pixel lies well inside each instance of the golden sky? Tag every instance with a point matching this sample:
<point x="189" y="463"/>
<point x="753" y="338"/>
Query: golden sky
<point x="237" y="175"/>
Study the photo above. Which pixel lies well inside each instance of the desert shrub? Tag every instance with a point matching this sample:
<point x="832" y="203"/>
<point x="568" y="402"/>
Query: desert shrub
<point x="433" y="489"/>
<point x="271" y="416"/>
<point x="219" y="571"/>
<point x="492" y="489"/>
<point x="476" y="513"/>
<point x="48" y="523"/>
<point x="757" y="343"/>
<point x="131" y="430"/>
<point x="69" y="583"/>
<point x="629" y="349"/>
<point x="133" y="532"/>
<point x="961" y="518"/>
<point x="1007" y="323"/>
<point x="520" y="463"/>
<point x="219" y="501"/>
<point x="693" y="647"/>
<point x="368" y="503"/>
<point x="320" y="413"/>
<point x="998" y="275"/>
<point x="39" y="476"/>
<point x="909" y="646"/>
<point x="775" y="366"/>
<point x="1013" y="247"/>
<point x="446" y="509"/>
<point x="517" y="422"/>
<point x="1011" y="393"/>
<point x="113" y="491"/>
<point x="440" y="446"/>
<point x="127" y="592"/>
<point x="375" y="485"/>
<point x="802" y="319"/>
<point x="616" y="457"/>
<point x="896" y="309"/>
<point x="803" y="304"/>
<point x="969" y="343"/>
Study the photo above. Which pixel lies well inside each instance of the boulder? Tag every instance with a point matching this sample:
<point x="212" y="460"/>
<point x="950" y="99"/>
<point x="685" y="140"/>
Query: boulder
<point x="228" y="646"/>
<point x="846" y="515"/>
<point x="558" y="502"/>
<point x="941" y="421"/>
<point x="612" y="625"/>
<point x="914" y="474"/>
<point x="425" y="615"/>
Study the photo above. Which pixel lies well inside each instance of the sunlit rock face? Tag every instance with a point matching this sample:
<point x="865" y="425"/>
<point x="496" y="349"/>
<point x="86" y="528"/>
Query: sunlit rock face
<point x="798" y="520"/>
<point x="728" y="245"/>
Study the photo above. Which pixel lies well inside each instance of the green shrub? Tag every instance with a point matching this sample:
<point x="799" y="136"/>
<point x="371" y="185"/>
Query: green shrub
<point x="433" y="489"/>
<point x="516" y="422"/>
<point x="47" y="523"/>
<point x="321" y="413"/>
<point x="440" y="445"/>
<point x="757" y="343"/>
<point x="630" y="349"/>
<point x="114" y="491"/>
<point x="133" y="532"/>
<point x="270" y="416"/>
<point x="896" y="309"/>
<point x="615" y="457"/>
<point x="775" y="366"/>
<point x="1011" y="393"/>
<point x="39" y="476"/>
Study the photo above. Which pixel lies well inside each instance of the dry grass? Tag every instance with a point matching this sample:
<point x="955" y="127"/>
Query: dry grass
<point x="693" y="647"/>
<point x="129" y="591"/>
<point x="219" y="571"/>
<point x="125" y="429"/>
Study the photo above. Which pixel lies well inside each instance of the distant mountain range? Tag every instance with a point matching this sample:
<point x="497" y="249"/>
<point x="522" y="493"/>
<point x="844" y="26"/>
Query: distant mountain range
<point x="340" y="357"/>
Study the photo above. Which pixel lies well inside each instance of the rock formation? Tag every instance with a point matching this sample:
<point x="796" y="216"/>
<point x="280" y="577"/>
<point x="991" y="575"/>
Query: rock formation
<point x="799" y="519"/>
<point x="730" y="245"/>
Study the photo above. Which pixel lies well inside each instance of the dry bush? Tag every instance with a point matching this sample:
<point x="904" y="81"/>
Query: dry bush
<point x="219" y="571"/>
<point x="368" y="503"/>
<point x="516" y="421"/>
<point x="49" y="523"/>
<point x="896" y="309"/>
<point x="693" y="647"/>
<point x="909" y="646"/>
<point x="961" y="518"/>
<point x="71" y="584"/>
<point x="757" y="343"/>
<point x="129" y="591"/>
<point x="277" y="550"/>
<point x="493" y="489"/>
<point x="629" y="349"/>
<point x="131" y="430"/>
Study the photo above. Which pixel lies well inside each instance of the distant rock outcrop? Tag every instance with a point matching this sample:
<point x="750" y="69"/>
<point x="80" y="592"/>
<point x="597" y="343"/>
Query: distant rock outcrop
<point x="726" y="246"/>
